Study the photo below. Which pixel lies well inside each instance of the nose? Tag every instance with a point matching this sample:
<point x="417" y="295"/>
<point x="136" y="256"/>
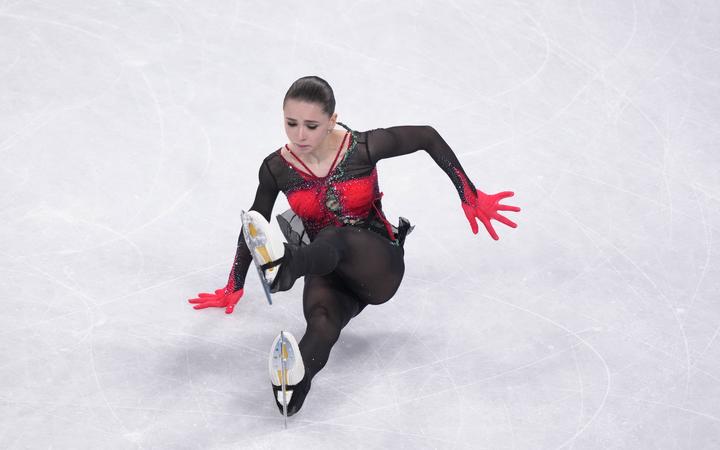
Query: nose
<point x="301" y="133"/>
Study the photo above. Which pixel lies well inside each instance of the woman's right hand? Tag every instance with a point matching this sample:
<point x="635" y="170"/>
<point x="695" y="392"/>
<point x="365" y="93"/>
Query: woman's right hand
<point x="221" y="298"/>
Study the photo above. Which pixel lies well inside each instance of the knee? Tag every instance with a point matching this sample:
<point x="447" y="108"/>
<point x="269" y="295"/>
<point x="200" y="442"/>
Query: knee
<point x="320" y="321"/>
<point x="380" y="296"/>
<point x="318" y="313"/>
<point x="383" y="292"/>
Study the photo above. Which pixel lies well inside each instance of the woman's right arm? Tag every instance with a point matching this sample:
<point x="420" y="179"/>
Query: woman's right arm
<point x="228" y="296"/>
<point x="265" y="197"/>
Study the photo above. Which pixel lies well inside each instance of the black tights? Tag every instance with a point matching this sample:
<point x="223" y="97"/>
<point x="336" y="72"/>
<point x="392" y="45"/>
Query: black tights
<point x="345" y="270"/>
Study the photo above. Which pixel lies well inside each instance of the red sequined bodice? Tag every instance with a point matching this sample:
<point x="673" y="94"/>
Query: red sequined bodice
<point x="338" y="198"/>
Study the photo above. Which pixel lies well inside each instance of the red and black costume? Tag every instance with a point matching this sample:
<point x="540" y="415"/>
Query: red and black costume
<point x="348" y="252"/>
<point x="349" y="195"/>
<point x="352" y="255"/>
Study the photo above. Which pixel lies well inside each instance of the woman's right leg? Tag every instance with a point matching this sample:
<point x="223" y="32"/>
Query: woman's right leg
<point x="370" y="266"/>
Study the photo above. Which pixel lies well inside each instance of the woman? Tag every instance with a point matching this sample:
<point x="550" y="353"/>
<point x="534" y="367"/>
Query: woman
<point x="348" y="252"/>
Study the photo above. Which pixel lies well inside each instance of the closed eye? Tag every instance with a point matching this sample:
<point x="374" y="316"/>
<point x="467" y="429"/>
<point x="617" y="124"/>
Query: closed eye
<point x="312" y="127"/>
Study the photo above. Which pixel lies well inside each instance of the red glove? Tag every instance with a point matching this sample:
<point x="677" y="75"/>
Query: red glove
<point x="485" y="207"/>
<point x="221" y="298"/>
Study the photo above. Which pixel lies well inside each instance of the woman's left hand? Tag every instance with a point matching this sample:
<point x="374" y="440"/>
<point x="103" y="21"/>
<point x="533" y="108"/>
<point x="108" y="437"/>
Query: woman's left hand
<point x="485" y="207"/>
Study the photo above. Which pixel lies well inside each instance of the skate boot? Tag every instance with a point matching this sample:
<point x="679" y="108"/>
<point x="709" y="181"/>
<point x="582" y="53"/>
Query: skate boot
<point x="265" y="246"/>
<point x="285" y="278"/>
<point x="289" y="382"/>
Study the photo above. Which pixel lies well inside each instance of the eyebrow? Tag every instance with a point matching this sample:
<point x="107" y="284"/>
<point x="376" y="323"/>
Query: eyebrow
<point x="307" y="121"/>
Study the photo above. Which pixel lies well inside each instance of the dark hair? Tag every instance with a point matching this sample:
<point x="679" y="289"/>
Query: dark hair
<point x="312" y="89"/>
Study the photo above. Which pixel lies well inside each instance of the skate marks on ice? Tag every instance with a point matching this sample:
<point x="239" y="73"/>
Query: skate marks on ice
<point x="93" y="272"/>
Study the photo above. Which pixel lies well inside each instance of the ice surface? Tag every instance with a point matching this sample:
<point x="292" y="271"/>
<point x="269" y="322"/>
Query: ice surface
<point x="130" y="138"/>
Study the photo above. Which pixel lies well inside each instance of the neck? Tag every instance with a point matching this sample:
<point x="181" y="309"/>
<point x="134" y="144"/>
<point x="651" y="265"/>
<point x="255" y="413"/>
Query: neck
<point x="327" y="149"/>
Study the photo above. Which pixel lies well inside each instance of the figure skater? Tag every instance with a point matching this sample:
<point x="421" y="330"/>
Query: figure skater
<point x="337" y="235"/>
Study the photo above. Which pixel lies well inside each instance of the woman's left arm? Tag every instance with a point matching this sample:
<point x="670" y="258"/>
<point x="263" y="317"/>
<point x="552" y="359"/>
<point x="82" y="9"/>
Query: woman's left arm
<point x="402" y="140"/>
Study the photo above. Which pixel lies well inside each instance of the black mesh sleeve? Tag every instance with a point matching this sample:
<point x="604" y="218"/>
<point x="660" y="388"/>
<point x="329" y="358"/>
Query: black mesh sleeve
<point x="406" y="139"/>
<point x="265" y="197"/>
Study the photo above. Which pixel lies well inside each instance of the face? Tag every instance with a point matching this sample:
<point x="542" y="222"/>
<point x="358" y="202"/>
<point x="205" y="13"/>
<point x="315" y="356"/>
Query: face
<point x="306" y="125"/>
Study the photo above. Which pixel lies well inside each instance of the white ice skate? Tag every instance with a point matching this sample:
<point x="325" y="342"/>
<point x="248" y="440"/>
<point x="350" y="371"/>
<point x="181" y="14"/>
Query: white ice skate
<point x="286" y="370"/>
<point x="265" y="245"/>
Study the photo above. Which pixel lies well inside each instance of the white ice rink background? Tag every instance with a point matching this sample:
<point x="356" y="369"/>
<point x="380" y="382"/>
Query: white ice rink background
<point x="131" y="133"/>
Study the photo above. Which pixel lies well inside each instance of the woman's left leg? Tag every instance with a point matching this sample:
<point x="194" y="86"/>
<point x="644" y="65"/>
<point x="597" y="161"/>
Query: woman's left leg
<point x="328" y="306"/>
<point x="345" y="269"/>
